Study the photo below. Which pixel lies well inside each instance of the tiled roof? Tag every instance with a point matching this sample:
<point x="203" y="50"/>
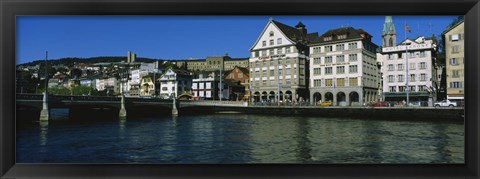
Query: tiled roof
<point x="244" y="70"/>
<point x="292" y="33"/>
<point x="349" y="31"/>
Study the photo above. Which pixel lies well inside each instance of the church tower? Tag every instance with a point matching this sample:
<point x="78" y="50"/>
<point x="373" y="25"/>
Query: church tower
<point x="389" y="36"/>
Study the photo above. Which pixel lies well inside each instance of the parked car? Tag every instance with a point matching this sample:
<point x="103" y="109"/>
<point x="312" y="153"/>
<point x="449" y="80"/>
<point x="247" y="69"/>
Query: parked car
<point x="445" y="103"/>
<point x="379" y="104"/>
<point x="326" y="103"/>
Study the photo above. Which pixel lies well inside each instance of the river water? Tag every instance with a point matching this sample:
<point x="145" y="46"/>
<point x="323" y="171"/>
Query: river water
<point x="239" y="138"/>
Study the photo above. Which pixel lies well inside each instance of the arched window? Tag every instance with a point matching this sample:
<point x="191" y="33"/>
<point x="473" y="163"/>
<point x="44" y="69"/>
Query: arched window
<point x="390" y="42"/>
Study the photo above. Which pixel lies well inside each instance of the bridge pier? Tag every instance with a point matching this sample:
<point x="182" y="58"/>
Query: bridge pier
<point x="45" y="113"/>
<point x="123" y="113"/>
<point x="174" y="109"/>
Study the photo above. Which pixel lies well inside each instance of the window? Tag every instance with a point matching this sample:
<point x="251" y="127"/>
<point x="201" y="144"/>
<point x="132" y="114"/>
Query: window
<point x="340" y="47"/>
<point x="328" y="82"/>
<point x="412" y="77"/>
<point x="390" y="67"/>
<point x="231" y="76"/>
<point x="264" y="53"/>
<point x="272" y="62"/>
<point x="422" y="54"/>
<point x="423" y="77"/>
<point x="340" y="58"/>
<point x="340" y="81"/>
<point x="317" y="83"/>
<point x="328" y="48"/>
<point x="272" y="82"/>
<point x="257" y="54"/>
<point x="399" y="67"/>
<point x="353" y="81"/>
<point x="352" y="45"/>
<point x="271" y="42"/>
<point x="412" y="66"/>
<point x="352" y="57"/>
<point x="391" y="78"/>
<point x="270" y="52"/>
<point x="316" y="49"/>
<point x="455" y="49"/>
<point x="352" y="69"/>
<point x="401" y="89"/>
<point x="392" y="89"/>
<point x="423" y="65"/>
<point x="316" y="60"/>
<point x="422" y="88"/>
<point x="455" y="73"/>
<point x="287" y="50"/>
<point x="328" y="59"/>
<point x="288" y="71"/>
<point x="412" y="88"/>
<point x="272" y="72"/>
<point x="240" y="75"/>
<point x="288" y="81"/>
<point x="453" y="61"/>
<point x="272" y="33"/>
<point x="302" y="71"/>
<point x="317" y="71"/>
<point x="264" y="43"/>
<point x="400" y="55"/>
<point x="264" y="73"/>
<point x="390" y="56"/>
<point x="328" y="70"/>
<point x="455" y="85"/>
<point x="264" y="82"/>
<point x="340" y="69"/>
<point x="412" y="54"/>
<point x="455" y="37"/>
<point x="279" y="41"/>
<point x="343" y="36"/>
<point x="329" y="38"/>
<point x="400" y="78"/>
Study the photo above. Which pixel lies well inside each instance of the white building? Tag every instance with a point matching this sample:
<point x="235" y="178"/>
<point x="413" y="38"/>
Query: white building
<point x="207" y="86"/>
<point x="343" y="68"/>
<point x="175" y="82"/>
<point x="419" y="73"/>
<point x="278" y="63"/>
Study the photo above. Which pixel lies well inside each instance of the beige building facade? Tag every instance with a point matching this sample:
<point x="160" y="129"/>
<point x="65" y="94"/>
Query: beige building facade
<point x="455" y="57"/>
<point x="279" y="64"/>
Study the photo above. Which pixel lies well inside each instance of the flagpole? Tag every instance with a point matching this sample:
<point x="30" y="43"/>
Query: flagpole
<point x="406" y="65"/>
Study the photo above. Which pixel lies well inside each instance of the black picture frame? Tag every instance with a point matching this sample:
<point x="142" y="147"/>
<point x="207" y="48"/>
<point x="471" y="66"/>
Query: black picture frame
<point x="11" y="8"/>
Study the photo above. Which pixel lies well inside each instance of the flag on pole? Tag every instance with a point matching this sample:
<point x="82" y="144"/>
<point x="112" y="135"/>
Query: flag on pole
<point x="407" y="28"/>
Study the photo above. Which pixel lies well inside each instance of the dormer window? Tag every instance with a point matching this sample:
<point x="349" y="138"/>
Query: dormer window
<point x="343" y="36"/>
<point x="329" y="38"/>
<point x="271" y="34"/>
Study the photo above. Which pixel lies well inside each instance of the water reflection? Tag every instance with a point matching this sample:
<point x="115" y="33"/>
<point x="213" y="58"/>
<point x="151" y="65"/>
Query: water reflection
<point x="241" y="139"/>
<point x="43" y="133"/>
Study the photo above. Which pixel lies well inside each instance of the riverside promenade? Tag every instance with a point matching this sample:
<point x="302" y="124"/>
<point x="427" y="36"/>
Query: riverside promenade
<point x="404" y="113"/>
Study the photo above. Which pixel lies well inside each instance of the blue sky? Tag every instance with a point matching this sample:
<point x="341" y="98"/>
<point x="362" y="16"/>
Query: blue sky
<point x="182" y="37"/>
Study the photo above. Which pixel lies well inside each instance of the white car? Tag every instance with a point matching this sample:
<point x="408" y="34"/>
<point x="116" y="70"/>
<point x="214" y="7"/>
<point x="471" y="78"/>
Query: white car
<point x="445" y="103"/>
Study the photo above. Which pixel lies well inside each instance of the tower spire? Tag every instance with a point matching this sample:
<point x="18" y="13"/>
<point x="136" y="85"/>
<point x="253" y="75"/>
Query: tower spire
<point x="389" y="36"/>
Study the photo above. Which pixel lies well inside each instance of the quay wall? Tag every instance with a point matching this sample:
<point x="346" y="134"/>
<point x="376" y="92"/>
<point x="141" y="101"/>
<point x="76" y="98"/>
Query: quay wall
<point x="405" y="113"/>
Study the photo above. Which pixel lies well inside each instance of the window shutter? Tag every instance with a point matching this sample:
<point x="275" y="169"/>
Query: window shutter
<point x="450" y="37"/>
